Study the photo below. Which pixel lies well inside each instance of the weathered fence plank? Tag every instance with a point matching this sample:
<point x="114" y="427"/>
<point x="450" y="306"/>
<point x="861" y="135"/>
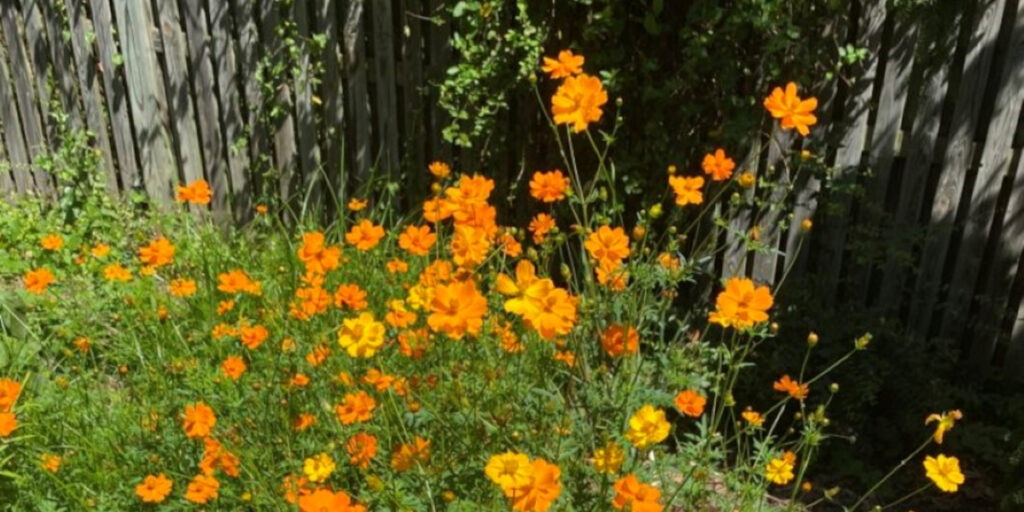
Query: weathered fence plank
<point x="24" y="96"/>
<point x="332" y="131"/>
<point x="358" y="97"/>
<point x="414" y="103"/>
<point x="232" y="125"/>
<point x="260" y="148"/>
<point x="215" y="163"/>
<point x="384" y="75"/>
<point x="285" y="154"/>
<point x="12" y="134"/>
<point x="995" y="164"/>
<point x="38" y="54"/>
<point x="768" y="225"/>
<point x="305" y="120"/>
<point x="955" y="164"/>
<point x="115" y="88"/>
<point x="179" y="93"/>
<point x="63" y="76"/>
<point x="1014" y="227"/>
<point x="148" y="100"/>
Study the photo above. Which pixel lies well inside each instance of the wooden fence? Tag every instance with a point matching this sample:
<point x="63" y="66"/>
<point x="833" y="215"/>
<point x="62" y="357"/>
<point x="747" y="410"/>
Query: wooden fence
<point x="174" y="90"/>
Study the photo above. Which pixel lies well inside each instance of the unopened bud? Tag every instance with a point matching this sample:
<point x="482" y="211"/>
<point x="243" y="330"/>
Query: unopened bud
<point x="812" y="339"/>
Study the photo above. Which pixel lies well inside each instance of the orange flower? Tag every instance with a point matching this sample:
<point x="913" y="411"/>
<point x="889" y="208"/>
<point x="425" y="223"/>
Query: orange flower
<point x="197" y="192"/>
<point x="753" y="417"/>
<point x="456" y="309"/>
<point x="318" y="355"/>
<point x="37" y="280"/>
<point x="718" y="165"/>
<point x="224" y="306"/>
<point x="509" y="245"/>
<point x="324" y="500"/>
<point x="578" y="101"/>
<point x="350" y="296"/>
<point x="233" y="367"/>
<point x="154" y="489"/>
<point x="542" y="489"/>
<point x="791" y="109"/>
<point x="317" y="257"/>
<point x="636" y="496"/>
<point x="299" y="380"/>
<point x="469" y="246"/>
<point x="115" y="272"/>
<point x="741" y="305"/>
<point x="398" y="316"/>
<point x="619" y="340"/>
<point x="355" y="204"/>
<point x="237" y="281"/>
<point x="549" y="186"/>
<point x="607" y="244"/>
<point x="436" y="210"/>
<point x="417" y="240"/>
<point x="397" y="266"/>
<point x="182" y="287"/>
<point x="202" y="489"/>
<point x="792" y="387"/>
<point x="8" y="423"/>
<point x="100" y="250"/>
<point x="50" y="462"/>
<point x="540" y="226"/>
<point x="158" y="253"/>
<point x="413" y="344"/>
<point x="409" y="454"/>
<point x="199" y="420"/>
<point x="357" y="407"/>
<point x="304" y="421"/>
<point x="253" y="337"/>
<point x="261" y="209"/>
<point x="215" y="456"/>
<point x="440" y="170"/>
<point x="687" y="190"/>
<point x="471" y="191"/>
<point x="361" y="448"/>
<point x="565" y="65"/>
<point x="690" y="403"/>
<point x="364" y="235"/>
<point x="52" y="242"/>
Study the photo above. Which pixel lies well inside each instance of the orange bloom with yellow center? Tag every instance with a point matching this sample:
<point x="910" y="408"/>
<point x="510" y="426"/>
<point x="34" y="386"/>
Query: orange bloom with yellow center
<point x="350" y="296"/>
<point x="100" y="250"/>
<point x="199" y="420"/>
<point x="417" y="240"/>
<point x="158" y="253"/>
<point x="115" y="272"/>
<point x="410" y="454"/>
<point x="549" y="186"/>
<point x="325" y="500"/>
<point x="619" y="340"/>
<point x="182" y="287"/>
<point x="578" y="101"/>
<point x="540" y="226"/>
<point x="542" y="489"/>
<point x="608" y="244"/>
<point x="52" y="242"/>
<point x="741" y="305"/>
<point x="202" y="489"/>
<point x="233" y="367"/>
<point x="361" y="449"/>
<point x="440" y="170"/>
<point x="154" y="489"/>
<point x="635" y="496"/>
<point x="238" y="281"/>
<point x="197" y="192"/>
<point x="793" y="111"/>
<point x="690" y="403"/>
<point x="316" y="256"/>
<point x="456" y="309"/>
<point x="365" y="235"/>
<point x="791" y="387"/>
<point x="37" y="280"/>
<point x="469" y="246"/>
<point x="718" y="165"/>
<point x="567" y="64"/>
<point x="253" y="337"/>
<point x="356" y="407"/>
<point x="687" y="190"/>
<point x="355" y="204"/>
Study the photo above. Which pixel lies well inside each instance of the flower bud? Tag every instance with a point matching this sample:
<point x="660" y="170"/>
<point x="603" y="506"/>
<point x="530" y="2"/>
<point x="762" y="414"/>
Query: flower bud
<point x="532" y="78"/>
<point x="774" y="327"/>
<point x="812" y="339"/>
<point x="746" y="180"/>
<point x="862" y="342"/>
<point x="805" y="155"/>
<point x="639" y="232"/>
<point x="806" y="225"/>
<point x="834" y="388"/>
<point x="656" y="211"/>
<point x="618" y="101"/>
<point x="671" y="170"/>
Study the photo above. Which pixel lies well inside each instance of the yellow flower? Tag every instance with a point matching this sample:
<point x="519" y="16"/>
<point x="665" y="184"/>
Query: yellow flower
<point x="779" y="471"/>
<point x="608" y="458"/>
<point x="318" y="468"/>
<point x="946" y="421"/>
<point x="578" y="101"/>
<point x="361" y="336"/>
<point x="687" y="190"/>
<point x="647" y="427"/>
<point x="944" y="471"/>
<point x="747" y="180"/>
<point x="509" y="470"/>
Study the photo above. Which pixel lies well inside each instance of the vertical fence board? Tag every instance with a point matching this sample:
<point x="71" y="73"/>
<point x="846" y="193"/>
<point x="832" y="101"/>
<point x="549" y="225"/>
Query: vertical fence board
<point x="358" y="97"/>
<point x="260" y="150"/>
<point x="414" y="103"/>
<point x="768" y="225"/>
<point x="386" y="112"/>
<point x="957" y="158"/>
<point x="7" y="186"/>
<point x="852" y="144"/>
<point x="332" y="131"/>
<point x="148" y="100"/>
<point x="233" y="129"/>
<point x="64" y="76"/>
<point x="24" y="96"/>
<point x="735" y="254"/>
<point x="116" y="90"/>
<point x="1013" y="231"/>
<point x="215" y="163"/>
<point x="12" y="136"/>
<point x="438" y="53"/>
<point x="305" y="120"/>
<point x="285" y="154"/>
<point x="40" y="69"/>
<point x="179" y="93"/>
